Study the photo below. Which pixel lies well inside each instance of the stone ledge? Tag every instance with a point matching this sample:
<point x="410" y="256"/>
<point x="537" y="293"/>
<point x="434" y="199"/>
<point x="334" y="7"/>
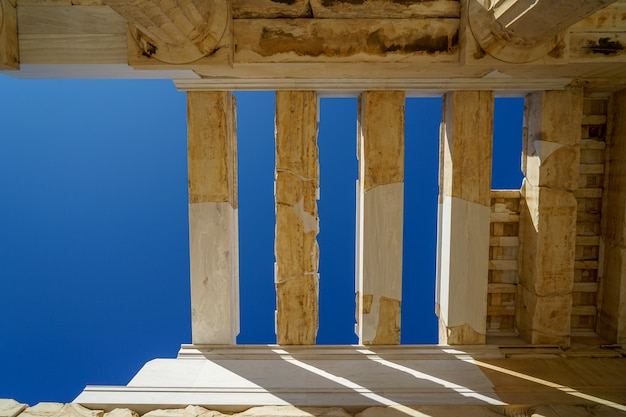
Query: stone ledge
<point x="11" y="408"/>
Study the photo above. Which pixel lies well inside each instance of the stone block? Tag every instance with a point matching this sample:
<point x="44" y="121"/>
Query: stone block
<point x="379" y="274"/>
<point x="121" y="412"/>
<point x="11" y="408"/>
<point x="213" y="264"/>
<point x="464" y="258"/>
<point x="189" y="411"/>
<point x="551" y="164"/>
<point x="43" y="409"/>
<point x="544" y="320"/>
<point x="77" y="410"/>
<point x="612" y="310"/>
<point x="382" y="138"/>
<point x="297" y="310"/>
<point x="555" y="116"/>
<point x="547" y="240"/>
<point x="466" y="146"/>
<point x="211" y="147"/>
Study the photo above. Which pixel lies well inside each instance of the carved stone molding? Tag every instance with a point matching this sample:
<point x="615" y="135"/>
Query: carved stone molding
<point x="174" y="32"/>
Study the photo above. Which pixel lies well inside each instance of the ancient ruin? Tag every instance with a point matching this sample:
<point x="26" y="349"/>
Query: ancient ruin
<point x="531" y="283"/>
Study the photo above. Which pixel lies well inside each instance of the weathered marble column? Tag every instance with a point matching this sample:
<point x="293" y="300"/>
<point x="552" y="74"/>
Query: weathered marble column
<point x="380" y="216"/>
<point x="612" y="306"/>
<point x="551" y="156"/>
<point x="297" y="225"/>
<point x="213" y="242"/>
<point x="464" y="201"/>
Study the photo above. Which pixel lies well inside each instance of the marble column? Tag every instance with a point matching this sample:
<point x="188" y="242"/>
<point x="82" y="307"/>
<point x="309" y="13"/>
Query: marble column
<point x="297" y="223"/>
<point x="547" y="228"/>
<point x="380" y="208"/>
<point x="464" y="206"/>
<point x="213" y="242"/>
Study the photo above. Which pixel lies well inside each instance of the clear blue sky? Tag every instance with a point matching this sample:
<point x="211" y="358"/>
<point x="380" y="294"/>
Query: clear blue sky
<point x="94" y="275"/>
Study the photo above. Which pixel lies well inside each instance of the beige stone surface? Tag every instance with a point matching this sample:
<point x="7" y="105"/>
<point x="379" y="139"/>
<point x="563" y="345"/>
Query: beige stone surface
<point x="465" y="160"/>
<point x="380" y="214"/>
<point x="77" y="410"/>
<point x="193" y="29"/>
<point x="43" y="409"/>
<point x="552" y="146"/>
<point x="214" y="272"/>
<point x="212" y="150"/>
<point x="384" y="9"/>
<point x="213" y="217"/>
<point x="121" y="412"/>
<point x="612" y="306"/>
<point x="462" y="279"/>
<point x="11" y="408"/>
<point x="379" y="268"/>
<point x="343" y="40"/>
<point x="247" y="9"/>
<point x="548" y="215"/>
<point x="464" y="216"/>
<point x="50" y="409"/>
<point x="297" y="223"/>
<point x="381" y="138"/>
<point x="548" y="237"/>
<point x="189" y="411"/>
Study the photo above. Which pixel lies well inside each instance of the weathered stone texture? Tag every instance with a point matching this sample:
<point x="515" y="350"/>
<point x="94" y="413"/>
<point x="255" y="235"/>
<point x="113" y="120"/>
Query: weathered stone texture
<point x="548" y="234"/>
<point x="503" y="254"/>
<point x="465" y="161"/>
<point x="341" y="40"/>
<point x="552" y="148"/>
<point x="11" y="408"/>
<point x="213" y="224"/>
<point x="612" y="308"/>
<point x="551" y="155"/>
<point x="464" y="216"/>
<point x="297" y="223"/>
<point x="349" y="9"/>
<point x="380" y="216"/>
<point x="192" y="31"/>
<point x="381" y="127"/>
<point x="49" y="409"/>
<point x="266" y="9"/>
<point x="121" y="412"/>
<point x="189" y="411"/>
<point x="212" y="156"/>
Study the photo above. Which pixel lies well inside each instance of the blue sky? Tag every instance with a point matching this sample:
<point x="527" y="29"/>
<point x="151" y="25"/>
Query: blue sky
<point x="94" y="275"/>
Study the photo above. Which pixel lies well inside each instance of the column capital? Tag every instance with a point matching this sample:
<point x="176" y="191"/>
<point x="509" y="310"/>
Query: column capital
<point x="518" y="31"/>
